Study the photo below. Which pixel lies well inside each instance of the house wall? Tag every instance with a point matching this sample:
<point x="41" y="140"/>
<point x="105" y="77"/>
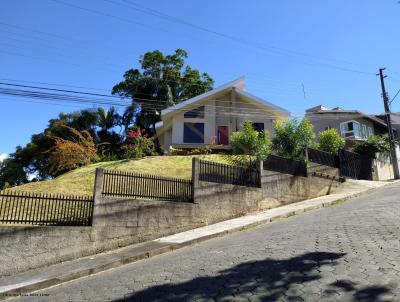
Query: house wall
<point x="217" y="114"/>
<point x="167" y="139"/>
<point x="267" y="120"/>
<point x="120" y="222"/>
<point x="321" y="121"/>
<point x="178" y="121"/>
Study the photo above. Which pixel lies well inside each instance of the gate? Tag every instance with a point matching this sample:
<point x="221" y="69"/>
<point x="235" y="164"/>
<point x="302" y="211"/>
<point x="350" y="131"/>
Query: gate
<point x="355" y="166"/>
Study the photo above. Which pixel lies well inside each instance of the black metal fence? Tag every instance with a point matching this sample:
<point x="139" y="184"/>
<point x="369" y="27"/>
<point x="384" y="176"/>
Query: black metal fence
<point x="355" y="165"/>
<point x="137" y="185"/>
<point x="285" y="165"/>
<point x="323" y="158"/>
<point x="45" y="209"/>
<point x="228" y="174"/>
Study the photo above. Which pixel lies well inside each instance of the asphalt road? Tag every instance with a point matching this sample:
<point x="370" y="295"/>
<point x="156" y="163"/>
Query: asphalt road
<point x="347" y="252"/>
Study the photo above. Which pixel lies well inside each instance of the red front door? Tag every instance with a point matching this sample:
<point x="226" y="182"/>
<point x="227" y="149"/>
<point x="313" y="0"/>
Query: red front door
<point x="223" y="135"/>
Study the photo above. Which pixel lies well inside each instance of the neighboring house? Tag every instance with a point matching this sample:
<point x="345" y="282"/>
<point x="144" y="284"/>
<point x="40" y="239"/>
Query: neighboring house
<point x="353" y="125"/>
<point x="395" y="119"/>
<point x="211" y="118"/>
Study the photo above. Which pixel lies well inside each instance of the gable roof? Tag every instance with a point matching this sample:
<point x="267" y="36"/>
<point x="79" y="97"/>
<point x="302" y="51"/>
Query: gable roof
<point x="237" y="85"/>
<point x="261" y="101"/>
<point x="326" y="110"/>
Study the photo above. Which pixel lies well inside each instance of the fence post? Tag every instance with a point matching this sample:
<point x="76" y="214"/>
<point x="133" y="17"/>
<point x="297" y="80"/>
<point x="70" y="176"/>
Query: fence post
<point x="195" y="177"/>
<point x="98" y="183"/>
<point x="97" y="190"/>
<point x="260" y="170"/>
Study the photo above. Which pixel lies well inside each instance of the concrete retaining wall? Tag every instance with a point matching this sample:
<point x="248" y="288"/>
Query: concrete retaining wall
<point x="119" y="222"/>
<point x="382" y="167"/>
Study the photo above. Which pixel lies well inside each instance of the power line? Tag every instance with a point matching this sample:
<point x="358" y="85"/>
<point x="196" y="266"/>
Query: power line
<point x="226" y="36"/>
<point x="52" y="84"/>
<point x="219" y="110"/>
<point x="41" y="32"/>
<point x="397" y="93"/>
<point x="61" y="90"/>
<point x="52" y="35"/>
<point x="56" y="61"/>
<point x="109" y="15"/>
<point x="274" y="49"/>
<point x="142" y="101"/>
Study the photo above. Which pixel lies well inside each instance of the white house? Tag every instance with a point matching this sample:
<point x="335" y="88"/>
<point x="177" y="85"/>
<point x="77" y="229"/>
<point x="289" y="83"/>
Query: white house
<point x="210" y="118"/>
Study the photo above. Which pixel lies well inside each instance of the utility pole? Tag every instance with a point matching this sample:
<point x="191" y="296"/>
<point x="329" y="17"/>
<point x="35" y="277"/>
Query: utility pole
<point x="389" y="125"/>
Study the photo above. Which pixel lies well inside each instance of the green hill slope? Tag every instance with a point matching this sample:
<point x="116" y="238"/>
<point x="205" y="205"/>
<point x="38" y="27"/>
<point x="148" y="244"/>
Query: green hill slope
<point x="81" y="180"/>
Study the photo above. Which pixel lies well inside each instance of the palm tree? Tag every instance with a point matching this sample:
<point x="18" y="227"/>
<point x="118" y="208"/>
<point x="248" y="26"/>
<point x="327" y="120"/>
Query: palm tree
<point x="107" y="119"/>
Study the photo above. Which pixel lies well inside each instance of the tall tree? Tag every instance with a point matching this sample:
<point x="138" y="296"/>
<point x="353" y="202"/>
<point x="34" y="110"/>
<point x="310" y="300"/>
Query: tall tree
<point x="11" y="173"/>
<point x="107" y="119"/>
<point x="34" y="158"/>
<point x="161" y="81"/>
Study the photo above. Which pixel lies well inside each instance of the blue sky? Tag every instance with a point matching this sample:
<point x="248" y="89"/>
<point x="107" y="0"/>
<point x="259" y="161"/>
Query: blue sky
<point x="332" y="47"/>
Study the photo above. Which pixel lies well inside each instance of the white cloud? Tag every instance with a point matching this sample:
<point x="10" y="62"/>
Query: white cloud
<point x="3" y="157"/>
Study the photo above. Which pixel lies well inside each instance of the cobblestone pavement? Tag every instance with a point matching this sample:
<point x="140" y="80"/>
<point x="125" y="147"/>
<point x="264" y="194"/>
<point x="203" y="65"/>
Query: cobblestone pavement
<point x="347" y="252"/>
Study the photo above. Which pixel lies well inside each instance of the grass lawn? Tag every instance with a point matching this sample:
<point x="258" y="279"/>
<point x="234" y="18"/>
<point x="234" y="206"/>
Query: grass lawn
<point x="80" y="181"/>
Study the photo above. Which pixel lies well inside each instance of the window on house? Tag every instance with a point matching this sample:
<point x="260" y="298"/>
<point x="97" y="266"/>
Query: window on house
<point x="370" y="131"/>
<point x="193" y="133"/>
<point x="195" y="113"/>
<point x="258" y="126"/>
<point x="364" y="133"/>
<point x="350" y="129"/>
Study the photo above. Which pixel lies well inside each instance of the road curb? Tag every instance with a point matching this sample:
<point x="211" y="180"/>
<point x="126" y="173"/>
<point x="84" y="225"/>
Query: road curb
<point x="162" y="248"/>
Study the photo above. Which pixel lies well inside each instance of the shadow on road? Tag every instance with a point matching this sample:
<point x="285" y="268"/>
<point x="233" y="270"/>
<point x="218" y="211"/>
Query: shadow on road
<point x="265" y="280"/>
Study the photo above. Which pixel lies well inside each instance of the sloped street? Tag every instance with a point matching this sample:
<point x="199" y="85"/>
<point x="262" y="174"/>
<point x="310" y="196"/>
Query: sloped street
<point x="347" y="252"/>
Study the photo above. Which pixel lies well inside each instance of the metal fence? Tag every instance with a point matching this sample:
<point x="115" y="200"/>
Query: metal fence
<point x="45" y="209"/>
<point x="227" y="174"/>
<point x="285" y="165"/>
<point x="355" y="165"/>
<point x="137" y="185"/>
<point x="323" y="158"/>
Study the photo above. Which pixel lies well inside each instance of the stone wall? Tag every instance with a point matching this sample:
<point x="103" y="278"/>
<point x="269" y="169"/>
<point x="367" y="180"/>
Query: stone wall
<point x="119" y="222"/>
<point x="23" y="248"/>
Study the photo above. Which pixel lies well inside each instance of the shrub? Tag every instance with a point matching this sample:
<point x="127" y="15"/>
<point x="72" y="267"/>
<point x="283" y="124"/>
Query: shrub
<point x="6" y="186"/>
<point x="292" y="138"/>
<point x="248" y="146"/>
<point x="374" y="144"/>
<point x="330" y="141"/>
<point x="176" y="151"/>
<point x="195" y="151"/>
<point x="138" y="145"/>
<point x="79" y="150"/>
<point x="206" y="150"/>
<point x="109" y="157"/>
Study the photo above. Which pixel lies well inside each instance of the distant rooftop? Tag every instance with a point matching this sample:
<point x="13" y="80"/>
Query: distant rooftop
<point x="322" y="109"/>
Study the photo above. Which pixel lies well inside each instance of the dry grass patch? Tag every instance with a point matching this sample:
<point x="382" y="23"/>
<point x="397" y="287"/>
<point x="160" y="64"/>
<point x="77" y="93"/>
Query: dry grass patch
<point x="81" y="180"/>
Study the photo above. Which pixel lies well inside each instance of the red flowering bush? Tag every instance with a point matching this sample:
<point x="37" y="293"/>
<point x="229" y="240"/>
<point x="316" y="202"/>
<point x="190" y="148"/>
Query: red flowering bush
<point x="138" y="145"/>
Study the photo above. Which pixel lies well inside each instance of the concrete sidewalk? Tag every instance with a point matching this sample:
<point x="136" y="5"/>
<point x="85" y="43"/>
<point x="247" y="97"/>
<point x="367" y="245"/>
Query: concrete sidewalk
<point x="33" y="280"/>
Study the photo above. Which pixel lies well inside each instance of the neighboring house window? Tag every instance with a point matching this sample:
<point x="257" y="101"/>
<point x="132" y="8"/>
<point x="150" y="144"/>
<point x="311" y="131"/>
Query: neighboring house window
<point x="350" y="129"/>
<point x="195" y="113"/>
<point x="370" y="131"/>
<point x="364" y="133"/>
<point x="327" y="128"/>
<point x="193" y="133"/>
<point x="258" y="126"/>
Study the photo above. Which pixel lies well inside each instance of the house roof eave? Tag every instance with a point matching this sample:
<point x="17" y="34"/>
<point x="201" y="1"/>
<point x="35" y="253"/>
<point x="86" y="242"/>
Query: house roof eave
<point x="262" y="102"/>
<point x="199" y="97"/>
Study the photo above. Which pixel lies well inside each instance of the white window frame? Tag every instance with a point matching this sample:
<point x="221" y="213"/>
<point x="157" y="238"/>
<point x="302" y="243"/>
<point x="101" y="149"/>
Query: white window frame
<point x="364" y="131"/>
<point x="344" y="132"/>
<point x="370" y="131"/>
